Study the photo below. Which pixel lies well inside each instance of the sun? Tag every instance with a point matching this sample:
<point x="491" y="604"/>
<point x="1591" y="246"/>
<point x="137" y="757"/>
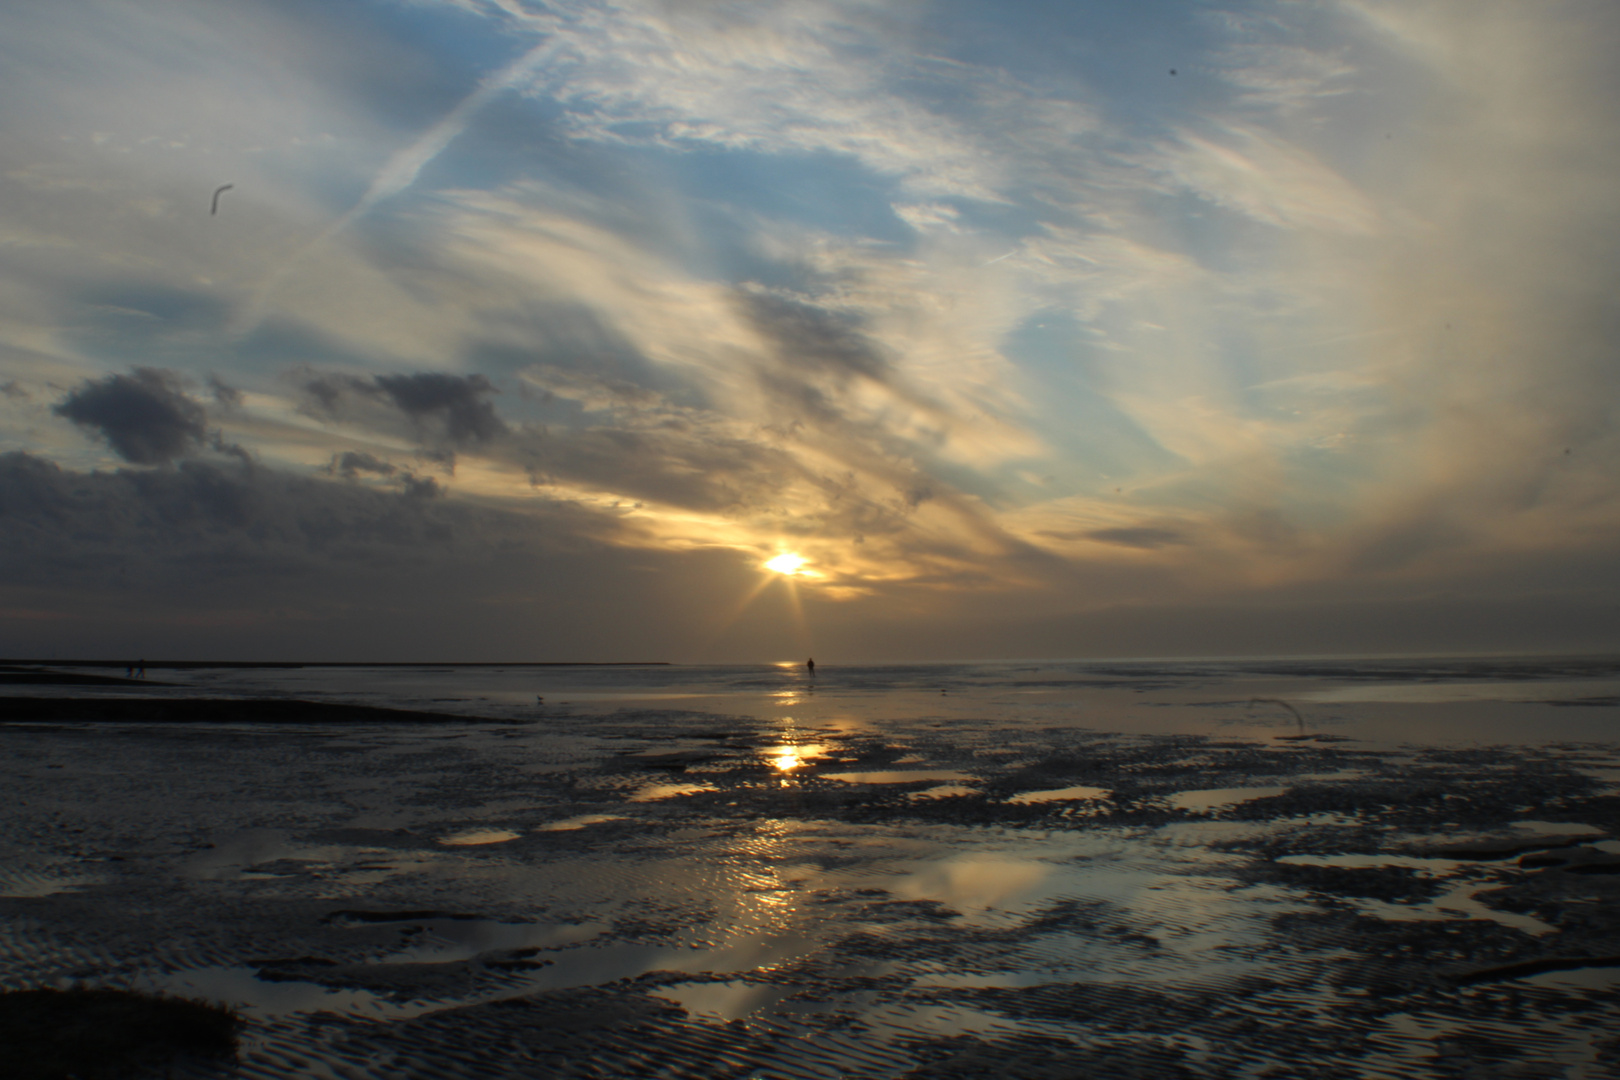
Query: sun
<point x="787" y="563"/>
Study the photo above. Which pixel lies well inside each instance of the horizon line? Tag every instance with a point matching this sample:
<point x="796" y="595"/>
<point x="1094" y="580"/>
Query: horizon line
<point x="1226" y="658"/>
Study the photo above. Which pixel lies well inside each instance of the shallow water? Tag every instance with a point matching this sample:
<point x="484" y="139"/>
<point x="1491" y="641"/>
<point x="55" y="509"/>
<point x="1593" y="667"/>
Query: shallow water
<point x="1046" y="870"/>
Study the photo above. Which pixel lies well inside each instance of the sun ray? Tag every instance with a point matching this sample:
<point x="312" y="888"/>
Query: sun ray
<point x="797" y="607"/>
<point x="735" y="612"/>
<point x="786" y="567"/>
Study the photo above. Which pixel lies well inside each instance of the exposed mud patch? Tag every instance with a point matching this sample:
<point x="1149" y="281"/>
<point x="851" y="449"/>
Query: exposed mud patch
<point x="667" y="892"/>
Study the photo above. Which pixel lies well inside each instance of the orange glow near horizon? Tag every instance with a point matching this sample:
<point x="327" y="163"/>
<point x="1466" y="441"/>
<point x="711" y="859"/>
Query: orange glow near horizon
<point x="785" y="568"/>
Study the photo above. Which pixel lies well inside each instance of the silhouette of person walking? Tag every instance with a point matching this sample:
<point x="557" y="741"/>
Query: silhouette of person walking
<point x="810" y="665"/>
<point x="140" y="669"/>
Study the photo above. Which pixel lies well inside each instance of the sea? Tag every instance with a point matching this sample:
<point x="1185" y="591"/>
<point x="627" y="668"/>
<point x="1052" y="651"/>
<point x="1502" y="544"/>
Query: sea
<point x="1379" y="867"/>
<point x="1502" y="697"/>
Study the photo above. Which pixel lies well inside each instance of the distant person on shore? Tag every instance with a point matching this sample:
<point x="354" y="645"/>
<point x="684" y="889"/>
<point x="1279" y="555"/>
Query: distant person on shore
<point x="140" y="669"/>
<point x="810" y="666"/>
<point x="129" y="671"/>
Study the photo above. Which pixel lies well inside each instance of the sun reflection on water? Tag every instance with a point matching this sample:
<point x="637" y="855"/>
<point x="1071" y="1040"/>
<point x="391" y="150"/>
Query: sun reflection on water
<point x="790" y="756"/>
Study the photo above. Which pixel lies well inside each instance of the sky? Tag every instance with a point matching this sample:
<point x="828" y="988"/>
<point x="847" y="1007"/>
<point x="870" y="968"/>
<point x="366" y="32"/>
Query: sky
<point x="533" y="331"/>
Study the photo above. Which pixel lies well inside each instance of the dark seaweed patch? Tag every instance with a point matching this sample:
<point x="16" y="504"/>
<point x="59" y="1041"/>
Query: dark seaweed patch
<point x="1391" y="883"/>
<point x="965" y="1057"/>
<point x="53" y="1034"/>
<point x="1523" y="969"/>
<point x="353" y="915"/>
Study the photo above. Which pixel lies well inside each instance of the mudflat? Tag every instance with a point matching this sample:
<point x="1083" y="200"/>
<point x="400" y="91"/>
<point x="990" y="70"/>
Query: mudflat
<point x="836" y="884"/>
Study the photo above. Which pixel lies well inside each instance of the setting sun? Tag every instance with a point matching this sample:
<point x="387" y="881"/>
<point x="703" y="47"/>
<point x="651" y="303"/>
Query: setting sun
<point x="787" y="563"/>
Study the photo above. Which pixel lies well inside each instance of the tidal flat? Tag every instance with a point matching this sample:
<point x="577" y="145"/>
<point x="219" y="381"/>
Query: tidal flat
<point x="950" y="871"/>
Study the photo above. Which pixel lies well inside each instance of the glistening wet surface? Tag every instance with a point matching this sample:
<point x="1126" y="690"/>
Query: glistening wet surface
<point x="844" y="886"/>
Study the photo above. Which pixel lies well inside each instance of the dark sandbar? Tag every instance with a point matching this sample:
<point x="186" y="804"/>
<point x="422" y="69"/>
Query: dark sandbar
<point x="69" y="678"/>
<point x="210" y="711"/>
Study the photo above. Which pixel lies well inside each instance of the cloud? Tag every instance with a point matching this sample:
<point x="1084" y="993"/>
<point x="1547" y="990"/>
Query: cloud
<point x="1279" y="68"/>
<point x="400" y="172"/>
<point x="421" y="487"/>
<point x="204" y="523"/>
<point x="1269" y="178"/>
<point x="780" y="408"/>
<point x="1138" y="537"/>
<point x="913" y="296"/>
<point x="350" y="464"/>
<point x="145" y="416"/>
<point x="453" y="402"/>
<point x="223" y="561"/>
<point x="594" y="391"/>
<point x="826" y="76"/>
<point x="225" y="395"/>
<point x="922" y="216"/>
<point x="445" y="410"/>
<point x="810" y="337"/>
<point x="405" y="166"/>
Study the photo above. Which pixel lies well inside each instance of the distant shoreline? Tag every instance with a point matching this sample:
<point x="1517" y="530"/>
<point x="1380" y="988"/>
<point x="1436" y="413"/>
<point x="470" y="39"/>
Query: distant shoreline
<point x="49" y="710"/>
<point x="176" y="665"/>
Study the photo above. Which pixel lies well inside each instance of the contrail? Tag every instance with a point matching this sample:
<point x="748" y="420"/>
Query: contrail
<point x="998" y="258"/>
<point x="404" y="167"/>
<point x="399" y="173"/>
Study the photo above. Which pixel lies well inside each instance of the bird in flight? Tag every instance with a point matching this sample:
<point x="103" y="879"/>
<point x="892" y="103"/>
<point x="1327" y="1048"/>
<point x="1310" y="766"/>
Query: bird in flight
<point x="222" y="189"/>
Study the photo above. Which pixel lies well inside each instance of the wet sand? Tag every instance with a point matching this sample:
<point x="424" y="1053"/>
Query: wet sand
<point x="927" y="889"/>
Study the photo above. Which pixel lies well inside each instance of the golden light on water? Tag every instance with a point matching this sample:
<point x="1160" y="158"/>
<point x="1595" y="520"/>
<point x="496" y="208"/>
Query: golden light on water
<point x="786" y="563"/>
<point x="786" y="758"/>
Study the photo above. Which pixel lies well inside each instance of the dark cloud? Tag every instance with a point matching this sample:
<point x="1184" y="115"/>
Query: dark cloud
<point x="350" y="465"/>
<point x="818" y="356"/>
<point x="1138" y="537"/>
<point x="455" y="401"/>
<point x="14" y="391"/>
<point x="189" y="527"/>
<point x="810" y="336"/>
<point x="145" y="416"/>
<point x="421" y="487"/>
<point x="217" y="443"/>
<point x="443" y="410"/>
<point x="327" y="394"/>
<point x="644" y="449"/>
<point x="441" y="456"/>
<point x="228" y="396"/>
<point x="214" y="559"/>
